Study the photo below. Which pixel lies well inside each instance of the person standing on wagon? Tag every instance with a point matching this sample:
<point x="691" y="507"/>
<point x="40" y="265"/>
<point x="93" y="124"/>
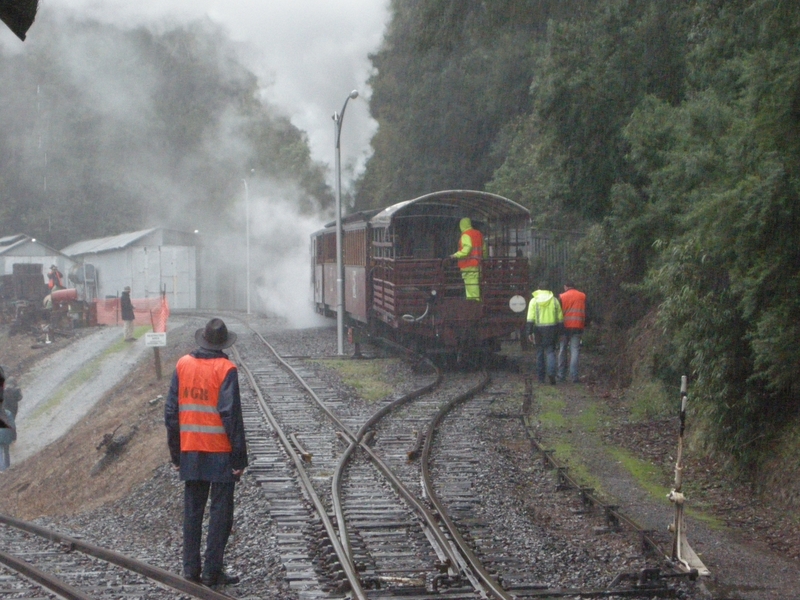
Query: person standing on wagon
<point x="470" y="252"/>
<point x="126" y="308"/>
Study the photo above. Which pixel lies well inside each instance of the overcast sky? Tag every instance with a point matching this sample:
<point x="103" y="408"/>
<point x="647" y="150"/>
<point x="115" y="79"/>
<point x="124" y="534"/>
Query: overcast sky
<point x="308" y="55"/>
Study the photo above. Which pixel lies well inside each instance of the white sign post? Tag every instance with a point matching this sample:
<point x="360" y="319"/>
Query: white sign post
<point x="156" y="341"/>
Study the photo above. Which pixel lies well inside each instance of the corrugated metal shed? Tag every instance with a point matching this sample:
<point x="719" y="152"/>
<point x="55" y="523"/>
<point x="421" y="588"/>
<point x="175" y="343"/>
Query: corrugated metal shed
<point x="105" y="244"/>
<point x="149" y="261"/>
<point x="11" y="241"/>
<point x="23" y="249"/>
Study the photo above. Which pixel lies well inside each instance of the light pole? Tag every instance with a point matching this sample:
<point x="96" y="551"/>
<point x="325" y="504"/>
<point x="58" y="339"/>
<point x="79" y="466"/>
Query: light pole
<point x="337" y="121"/>
<point x="247" y="239"/>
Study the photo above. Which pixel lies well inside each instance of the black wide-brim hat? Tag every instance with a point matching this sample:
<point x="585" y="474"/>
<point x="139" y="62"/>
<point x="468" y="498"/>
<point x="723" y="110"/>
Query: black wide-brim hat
<point x="215" y="336"/>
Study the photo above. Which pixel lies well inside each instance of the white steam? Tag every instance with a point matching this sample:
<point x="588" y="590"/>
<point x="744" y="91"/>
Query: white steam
<point x="280" y="259"/>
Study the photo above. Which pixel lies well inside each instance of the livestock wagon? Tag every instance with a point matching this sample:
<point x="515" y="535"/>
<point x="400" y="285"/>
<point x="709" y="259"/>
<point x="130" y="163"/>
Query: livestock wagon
<point x="400" y="281"/>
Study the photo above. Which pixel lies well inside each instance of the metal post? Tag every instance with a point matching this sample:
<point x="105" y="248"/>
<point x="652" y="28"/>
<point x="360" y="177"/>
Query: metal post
<point x="247" y="240"/>
<point x="682" y="555"/>
<point x="337" y="122"/>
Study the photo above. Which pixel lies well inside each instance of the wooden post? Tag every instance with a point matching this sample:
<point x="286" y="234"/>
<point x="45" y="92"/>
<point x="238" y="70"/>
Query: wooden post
<point x="157" y="356"/>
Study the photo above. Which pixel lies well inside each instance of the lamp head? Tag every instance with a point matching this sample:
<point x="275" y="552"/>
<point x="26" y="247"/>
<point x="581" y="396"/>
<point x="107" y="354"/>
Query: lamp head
<point x="354" y="94"/>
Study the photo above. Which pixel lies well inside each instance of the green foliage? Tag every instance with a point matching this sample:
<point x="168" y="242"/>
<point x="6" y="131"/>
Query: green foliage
<point x="591" y="72"/>
<point x="449" y="76"/>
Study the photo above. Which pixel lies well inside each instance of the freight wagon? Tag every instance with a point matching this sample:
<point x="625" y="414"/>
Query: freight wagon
<point x="400" y="282"/>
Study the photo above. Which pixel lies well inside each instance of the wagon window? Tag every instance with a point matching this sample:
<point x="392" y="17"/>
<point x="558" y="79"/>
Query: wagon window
<point x="381" y="243"/>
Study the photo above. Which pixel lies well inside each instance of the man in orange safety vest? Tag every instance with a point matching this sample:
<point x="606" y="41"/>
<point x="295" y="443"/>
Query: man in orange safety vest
<point x="205" y="435"/>
<point x="573" y="303"/>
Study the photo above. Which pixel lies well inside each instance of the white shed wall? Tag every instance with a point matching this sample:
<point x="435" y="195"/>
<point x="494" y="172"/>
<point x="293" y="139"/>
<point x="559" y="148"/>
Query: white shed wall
<point x="147" y="269"/>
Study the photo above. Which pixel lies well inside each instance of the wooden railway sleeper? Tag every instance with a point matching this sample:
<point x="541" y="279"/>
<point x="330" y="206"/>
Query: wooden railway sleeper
<point x="612" y="517"/>
<point x="562" y="479"/>
<point x="448" y="580"/>
<point x="547" y="458"/>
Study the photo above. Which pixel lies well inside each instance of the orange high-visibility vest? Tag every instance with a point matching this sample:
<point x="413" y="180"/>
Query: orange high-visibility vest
<point x="473" y="260"/>
<point x="573" y="303"/>
<point x="199" y="382"/>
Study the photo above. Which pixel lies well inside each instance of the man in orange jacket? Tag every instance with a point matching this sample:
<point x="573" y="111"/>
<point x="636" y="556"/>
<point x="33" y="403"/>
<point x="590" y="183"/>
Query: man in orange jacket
<point x="573" y="304"/>
<point x="205" y="435"/>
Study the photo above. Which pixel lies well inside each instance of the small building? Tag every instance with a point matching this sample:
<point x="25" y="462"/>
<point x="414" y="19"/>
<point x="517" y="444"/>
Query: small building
<point x="149" y="261"/>
<point x="23" y="249"/>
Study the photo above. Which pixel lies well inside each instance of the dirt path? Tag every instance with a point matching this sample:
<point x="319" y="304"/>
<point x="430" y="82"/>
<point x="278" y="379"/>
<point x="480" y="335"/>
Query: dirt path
<point x="63" y="387"/>
<point x="577" y="421"/>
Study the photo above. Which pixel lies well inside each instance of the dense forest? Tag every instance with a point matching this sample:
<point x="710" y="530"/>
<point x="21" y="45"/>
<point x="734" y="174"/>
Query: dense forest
<point x="104" y="130"/>
<point x="667" y="133"/>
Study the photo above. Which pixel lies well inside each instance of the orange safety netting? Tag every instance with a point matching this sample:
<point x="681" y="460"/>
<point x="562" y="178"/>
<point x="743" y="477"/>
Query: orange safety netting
<point x="146" y="311"/>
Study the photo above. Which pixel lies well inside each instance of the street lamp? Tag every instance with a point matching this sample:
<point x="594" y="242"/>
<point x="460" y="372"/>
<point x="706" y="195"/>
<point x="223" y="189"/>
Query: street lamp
<point x="337" y="122"/>
<point x="247" y="238"/>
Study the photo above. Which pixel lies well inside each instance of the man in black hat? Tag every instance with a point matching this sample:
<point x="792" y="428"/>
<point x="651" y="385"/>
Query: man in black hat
<point x="205" y="434"/>
<point x="127" y="314"/>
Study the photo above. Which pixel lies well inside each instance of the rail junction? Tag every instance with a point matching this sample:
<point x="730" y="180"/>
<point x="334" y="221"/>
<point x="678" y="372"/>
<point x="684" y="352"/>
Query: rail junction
<point x="385" y="499"/>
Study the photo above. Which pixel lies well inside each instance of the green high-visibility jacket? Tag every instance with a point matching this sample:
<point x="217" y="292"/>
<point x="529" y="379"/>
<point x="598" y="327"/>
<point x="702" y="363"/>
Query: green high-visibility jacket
<point x="544" y="309"/>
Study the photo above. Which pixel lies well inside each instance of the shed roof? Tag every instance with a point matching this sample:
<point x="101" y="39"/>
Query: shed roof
<point x="12" y="241"/>
<point x="114" y="242"/>
<point x="477" y="205"/>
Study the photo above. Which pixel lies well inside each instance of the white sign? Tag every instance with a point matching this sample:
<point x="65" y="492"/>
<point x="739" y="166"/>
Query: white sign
<point x="517" y="303"/>
<point x="155" y="339"/>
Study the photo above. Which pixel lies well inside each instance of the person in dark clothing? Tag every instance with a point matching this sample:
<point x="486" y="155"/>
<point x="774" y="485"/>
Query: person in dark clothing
<point x="206" y="439"/>
<point x="8" y="429"/>
<point x="10" y="395"/>
<point x="126" y="308"/>
<point x="55" y="279"/>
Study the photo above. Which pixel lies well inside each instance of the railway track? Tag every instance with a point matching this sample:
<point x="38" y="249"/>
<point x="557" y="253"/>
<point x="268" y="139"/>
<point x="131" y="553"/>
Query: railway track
<point x="42" y="563"/>
<point x="385" y="530"/>
<point x="398" y="498"/>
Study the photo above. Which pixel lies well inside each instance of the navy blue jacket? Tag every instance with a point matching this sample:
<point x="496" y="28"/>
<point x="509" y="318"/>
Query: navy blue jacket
<point x="209" y="466"/>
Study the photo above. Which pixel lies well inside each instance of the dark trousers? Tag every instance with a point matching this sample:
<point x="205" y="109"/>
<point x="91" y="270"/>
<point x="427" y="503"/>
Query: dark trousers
<point x="546" y="337"/>
<point x="220" y="522"/>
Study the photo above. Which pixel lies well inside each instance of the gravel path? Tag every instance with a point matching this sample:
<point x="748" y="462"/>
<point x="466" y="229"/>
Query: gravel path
<point x="61" y="389"/>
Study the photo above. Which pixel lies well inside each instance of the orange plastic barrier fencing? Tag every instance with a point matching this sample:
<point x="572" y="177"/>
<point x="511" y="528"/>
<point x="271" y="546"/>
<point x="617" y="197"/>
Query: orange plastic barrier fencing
<point x="147" y="311"/>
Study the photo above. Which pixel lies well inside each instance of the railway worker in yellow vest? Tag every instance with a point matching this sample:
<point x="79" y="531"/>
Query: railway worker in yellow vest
<point x="471" y="250"/>
<point x="545" y="321"/>
<point x="205" y="435"/>
<point x="573" y="303"/>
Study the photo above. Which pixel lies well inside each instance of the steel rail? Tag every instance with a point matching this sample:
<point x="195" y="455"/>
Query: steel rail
<point x="357" y="439"/>
<point x="475" y="562"/>
<point x="59" y="587"/>
<point x="362" y="438"/>
<point x="347" y="565"/>
<point x="472" y="560"/>
<point x="154" y="573"/>
<point x="588" y="497"/>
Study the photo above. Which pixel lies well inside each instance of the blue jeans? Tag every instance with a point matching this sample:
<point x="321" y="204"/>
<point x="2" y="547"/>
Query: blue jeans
<point x="546" y="338"/>
<point x="573" y="338"/>
<point x="220" y="522"/>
